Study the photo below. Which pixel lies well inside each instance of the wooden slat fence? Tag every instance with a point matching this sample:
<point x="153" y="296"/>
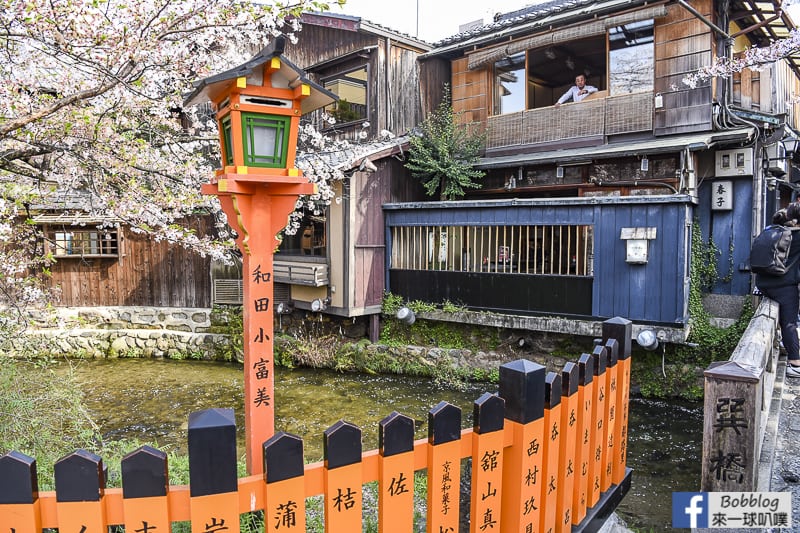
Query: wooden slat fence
<point x="548" y="454"/>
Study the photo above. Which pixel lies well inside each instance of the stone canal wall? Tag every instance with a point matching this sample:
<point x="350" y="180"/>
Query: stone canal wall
<point x="171" y="332"/>
<point x="202" y="333"/>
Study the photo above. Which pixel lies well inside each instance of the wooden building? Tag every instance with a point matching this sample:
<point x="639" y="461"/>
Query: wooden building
<point x="587" y="207"/>
<point x="335" y="262"/>
<point x="103" y="262"/>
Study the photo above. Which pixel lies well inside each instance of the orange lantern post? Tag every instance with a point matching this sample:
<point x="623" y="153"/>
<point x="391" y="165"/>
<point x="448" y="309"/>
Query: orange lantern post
<point x="258" y="107"/>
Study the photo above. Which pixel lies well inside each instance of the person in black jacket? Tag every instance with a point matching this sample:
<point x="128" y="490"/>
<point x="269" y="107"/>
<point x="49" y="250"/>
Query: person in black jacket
<point x="784" y="290"/>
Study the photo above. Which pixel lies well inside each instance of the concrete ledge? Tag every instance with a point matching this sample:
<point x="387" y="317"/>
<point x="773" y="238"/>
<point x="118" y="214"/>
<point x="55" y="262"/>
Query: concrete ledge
<point x="584" y="328"/>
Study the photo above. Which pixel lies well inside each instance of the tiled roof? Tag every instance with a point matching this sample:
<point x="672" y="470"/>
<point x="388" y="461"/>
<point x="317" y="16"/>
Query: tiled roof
<point x="525" y="15"/>
<point x="353" y="156"/>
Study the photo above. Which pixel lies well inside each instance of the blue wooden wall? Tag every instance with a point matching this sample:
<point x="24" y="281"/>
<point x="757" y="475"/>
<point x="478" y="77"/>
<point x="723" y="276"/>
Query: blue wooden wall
<point x="656" y="292"/>
<point x="730" y="231"/>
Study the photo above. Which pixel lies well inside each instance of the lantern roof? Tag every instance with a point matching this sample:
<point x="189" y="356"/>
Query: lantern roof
<point x="288" y="75"/>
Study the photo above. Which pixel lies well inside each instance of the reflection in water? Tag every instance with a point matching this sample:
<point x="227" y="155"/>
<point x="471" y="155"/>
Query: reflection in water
<point x="151" y="400"/>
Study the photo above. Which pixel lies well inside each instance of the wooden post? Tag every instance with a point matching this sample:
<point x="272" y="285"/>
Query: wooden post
<point x="487" y="464"/>
<point x="145" y="484"/>
<point x="342" y="477"/>
<point x="580" y="496"/>
<point x="213" y="482"/>
<point x="610" y="444"/>
<point x="620" y="330"/>
<point x="522" y="387"/>
<point x="396" y="473"/>
<point x="567" y="445"/>
<point x="80" y="485"/>
<point x="19" y="494"/>
<point x="732" y="407"/>
<point x="552" y="438"/>
<point x="444" y="467"/>
<point x="285" y="500"/>
<point x="598" y="431"/>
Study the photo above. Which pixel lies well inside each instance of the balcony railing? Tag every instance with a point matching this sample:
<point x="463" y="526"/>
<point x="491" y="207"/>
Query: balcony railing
<point x="595" y="117"/>
<point x="301" y="273"/>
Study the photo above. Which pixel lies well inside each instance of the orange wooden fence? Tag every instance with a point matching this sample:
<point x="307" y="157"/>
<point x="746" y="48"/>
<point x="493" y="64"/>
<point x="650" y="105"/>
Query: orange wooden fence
<point x="548" y="454"/>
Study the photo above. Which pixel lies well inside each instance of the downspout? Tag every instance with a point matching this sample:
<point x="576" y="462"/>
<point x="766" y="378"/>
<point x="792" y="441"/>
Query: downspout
<point x="386" y="73"/>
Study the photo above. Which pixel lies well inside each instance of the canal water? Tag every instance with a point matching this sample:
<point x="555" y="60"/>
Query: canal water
<point x="151" y="400"/>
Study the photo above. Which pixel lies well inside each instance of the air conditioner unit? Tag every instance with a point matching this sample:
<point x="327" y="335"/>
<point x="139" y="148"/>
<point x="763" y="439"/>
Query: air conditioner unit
<point x="736" y="162"/>
<point x="777" y="164"/>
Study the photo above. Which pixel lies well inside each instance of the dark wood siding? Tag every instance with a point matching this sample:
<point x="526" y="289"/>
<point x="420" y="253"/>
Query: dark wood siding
<point x="434" y="74"/>
<point x="394" y="80"/>
<point x="404" y="99"/>
<point x="148" y="273"/>
<point x="682" y="45"/>
<point x="370" y="190"/>
<point x="317" y="44"/>
<point x="502" y="293"/>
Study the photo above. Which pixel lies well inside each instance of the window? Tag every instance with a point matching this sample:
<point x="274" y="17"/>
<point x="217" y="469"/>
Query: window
<point x="619" y="60"/>
<point x="556" y="250"/>
<point x="67" y="242"/>
<point x="351" y="88"/>
<point x="509" y="74"/>
<point x="309" y="241"/>
<point x="631" y="58"/>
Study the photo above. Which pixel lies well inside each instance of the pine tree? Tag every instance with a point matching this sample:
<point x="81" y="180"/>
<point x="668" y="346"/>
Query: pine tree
<point x="444" y="152"/>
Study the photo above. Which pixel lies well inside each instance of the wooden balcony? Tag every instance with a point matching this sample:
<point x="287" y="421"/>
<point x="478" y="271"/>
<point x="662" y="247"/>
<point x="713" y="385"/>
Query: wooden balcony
<point x="594" y="118"/>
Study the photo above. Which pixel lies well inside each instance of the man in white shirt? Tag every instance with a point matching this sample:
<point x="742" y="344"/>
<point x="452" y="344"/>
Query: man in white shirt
<point x="577" y="92"/>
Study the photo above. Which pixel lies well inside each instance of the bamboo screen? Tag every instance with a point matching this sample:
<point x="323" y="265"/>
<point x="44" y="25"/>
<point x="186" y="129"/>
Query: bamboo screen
<point x="560" y="250"/>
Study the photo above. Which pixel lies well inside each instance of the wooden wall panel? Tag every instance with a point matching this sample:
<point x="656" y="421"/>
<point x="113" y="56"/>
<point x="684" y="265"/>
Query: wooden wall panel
<point x="682" y="65"/>
<point x="404" y="98"/>
<point x="682" y="44"/>
<point x="391" y="182"/>
<point x="148" y="273"/>
<point x="471" y="91"/>
<point x="434" y="74"/>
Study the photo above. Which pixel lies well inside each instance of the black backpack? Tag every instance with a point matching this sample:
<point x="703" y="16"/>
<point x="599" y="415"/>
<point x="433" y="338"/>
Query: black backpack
<point x="770" y="251"/>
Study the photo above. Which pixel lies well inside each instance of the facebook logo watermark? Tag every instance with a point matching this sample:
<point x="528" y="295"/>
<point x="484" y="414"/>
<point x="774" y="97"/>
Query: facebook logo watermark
<point x="690" y="509"/>
<point x="731" y="509"/>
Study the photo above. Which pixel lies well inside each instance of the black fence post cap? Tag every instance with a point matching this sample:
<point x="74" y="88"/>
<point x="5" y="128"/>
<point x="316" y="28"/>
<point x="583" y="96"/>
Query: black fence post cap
<point x="341" y="444"/>
<point x="79" y="477"/>
<point x="395" y="434"/>
<point x="488" y="413"/>
<point x="444" y="423"/>
<point x="585" y="369"/>
<point x="552" y="390"/>
<point x="600" y="356"/>
<point x="144" y="473"/>
<point x="570" y="375"/>
<point x="612" y="348"/>
<point x="212" y="452"/>
<point x="522" y="387"/>
<point x="621" y="329"/>
<point x="283" y="457"/>
<point x="20" y="484"/>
